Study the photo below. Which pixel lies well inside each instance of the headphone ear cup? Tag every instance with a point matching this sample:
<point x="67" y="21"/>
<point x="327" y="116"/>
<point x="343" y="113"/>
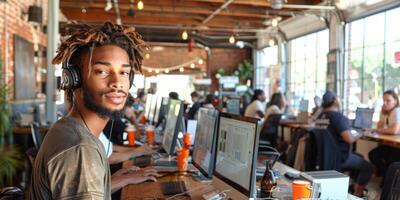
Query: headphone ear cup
<point x="70" y="77"/>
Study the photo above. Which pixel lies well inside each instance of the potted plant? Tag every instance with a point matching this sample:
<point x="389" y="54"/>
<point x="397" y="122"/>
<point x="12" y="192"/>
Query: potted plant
<point x="245" y="71"/>
<point x="10" y="157"/>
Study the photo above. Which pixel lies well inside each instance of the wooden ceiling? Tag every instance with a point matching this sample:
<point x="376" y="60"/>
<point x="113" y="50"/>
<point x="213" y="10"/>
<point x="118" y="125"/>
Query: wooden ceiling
<point x="164" y="20"/>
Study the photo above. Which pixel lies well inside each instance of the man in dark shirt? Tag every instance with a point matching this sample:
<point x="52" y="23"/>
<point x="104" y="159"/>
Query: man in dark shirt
<point x="195" y="107"/>
<point x="338" y="126"/>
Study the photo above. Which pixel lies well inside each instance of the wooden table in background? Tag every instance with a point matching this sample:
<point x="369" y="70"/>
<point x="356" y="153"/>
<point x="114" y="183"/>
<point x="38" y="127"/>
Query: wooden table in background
<point x="27" y="130"/>
<point x="152" y="190"/>
<point x="390" y="140"/>
<point x="293" y="124"/>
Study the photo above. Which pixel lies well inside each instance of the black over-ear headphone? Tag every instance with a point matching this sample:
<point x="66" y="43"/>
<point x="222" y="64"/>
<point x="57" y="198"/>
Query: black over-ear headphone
<point x="71" y="75"/>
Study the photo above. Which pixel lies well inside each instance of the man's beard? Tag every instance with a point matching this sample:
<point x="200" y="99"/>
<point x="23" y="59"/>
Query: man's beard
<point x="88" y="100"/>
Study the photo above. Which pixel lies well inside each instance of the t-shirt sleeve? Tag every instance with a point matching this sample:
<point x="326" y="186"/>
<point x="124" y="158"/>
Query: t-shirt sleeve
<point x="78" y="173"/>
<point x="260" y="106"/>
<point x="396" y="116"/>
<point x="341" y="123"/>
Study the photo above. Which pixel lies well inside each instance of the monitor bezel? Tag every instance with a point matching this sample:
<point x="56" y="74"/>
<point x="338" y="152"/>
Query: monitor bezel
<point x="208" y="174"/>
<point x="178" y="122"/>
<point x="250" y="192"/>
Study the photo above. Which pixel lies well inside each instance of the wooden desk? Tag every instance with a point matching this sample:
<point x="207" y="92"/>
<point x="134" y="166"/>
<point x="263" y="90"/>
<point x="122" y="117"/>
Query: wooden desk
<point x="27" y="130"/>
<point x="152" y="190"/>
<point x="390" y="140"/>
<point x="292" y="124"/>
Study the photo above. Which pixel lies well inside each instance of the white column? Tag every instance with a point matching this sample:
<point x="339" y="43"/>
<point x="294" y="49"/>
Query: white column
<point x="52" y="39"/>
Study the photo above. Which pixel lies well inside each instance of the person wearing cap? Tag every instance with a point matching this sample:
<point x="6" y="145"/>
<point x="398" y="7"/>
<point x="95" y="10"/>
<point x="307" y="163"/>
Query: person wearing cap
<point x="388" y="124"/>
<point x="338" y="125"/>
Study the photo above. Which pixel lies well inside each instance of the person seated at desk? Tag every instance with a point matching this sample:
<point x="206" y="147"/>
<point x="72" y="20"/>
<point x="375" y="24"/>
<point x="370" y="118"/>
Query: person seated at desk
<point x="128" y="175"/>
<point x="256" y="108"/>
<point x="389" y="124"/>
<point x="276" y="105"/>
<point x="340" y="128"/>
<point x="209" y="102"/>
<point x="195" y="107"/>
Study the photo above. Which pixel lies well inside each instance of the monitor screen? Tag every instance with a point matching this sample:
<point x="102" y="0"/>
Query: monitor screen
<point x="153" y="107"/>
<point x="147" y="106"/>
<point x="172" y="126"/>
<point x="233" y="106"/>
<point x="303" y="107"/>
<point x="236" y="151"/>
<point x="204" y="146"/>
<point x="363" y="118"/>
<point x="161" y="112"/>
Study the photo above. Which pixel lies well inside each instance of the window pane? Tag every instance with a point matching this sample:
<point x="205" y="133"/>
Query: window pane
<point x="323" y="43"/>
<point x="392" y="68"/>
<point x="373" y="62"/>
<point x="372" y="92"/>
<point x="374" y="29"/>
<point x="392" y="25"/>
<point x="356" y="33"/>
<point x="354" y="98"/>
<point x="355" y="57"/>
<point x="310" y="46"/>
<point x="393" y="84"/>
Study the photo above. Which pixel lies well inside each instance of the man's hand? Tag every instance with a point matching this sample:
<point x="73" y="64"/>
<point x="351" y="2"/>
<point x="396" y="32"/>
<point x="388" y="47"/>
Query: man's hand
<point x="132" y="175"/>
<point x="143" y="150"/>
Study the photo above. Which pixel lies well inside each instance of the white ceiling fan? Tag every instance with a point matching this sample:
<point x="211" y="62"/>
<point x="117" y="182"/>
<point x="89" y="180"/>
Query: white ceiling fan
<point x="279" y="4"/>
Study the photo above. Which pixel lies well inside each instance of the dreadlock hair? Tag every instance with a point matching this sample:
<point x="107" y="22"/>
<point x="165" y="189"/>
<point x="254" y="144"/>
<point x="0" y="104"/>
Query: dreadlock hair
<point x="81" y="37"/>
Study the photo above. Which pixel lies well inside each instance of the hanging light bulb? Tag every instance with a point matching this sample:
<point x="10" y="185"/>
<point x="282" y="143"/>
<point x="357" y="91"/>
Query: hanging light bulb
<point x="192" y="65"/>
<point x="201" y="61"/>
<point x="83" y="10"/>
<point x="184" y="35"/>
<point x="232" y="39"/>
<point x="147" y="56"/>
<point x="150" y="70"/>
<point x="274" y="22"/>
<point x="140" y="5"/>
<point x="166" y="71"/>
<point x="157" y="71"/>
<point x="108" y="6"/>
<point x="271" y="42"/>
<point x="181" y="69"/>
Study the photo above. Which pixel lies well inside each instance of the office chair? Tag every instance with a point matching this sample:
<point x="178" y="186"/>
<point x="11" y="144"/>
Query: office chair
<point x="391" y="185"/>
<point x="36" y="136"/>
<point x="269" y="132"/>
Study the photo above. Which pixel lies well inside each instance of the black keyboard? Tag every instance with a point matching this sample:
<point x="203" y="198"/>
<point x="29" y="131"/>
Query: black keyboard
<point x="166" y="163"/>
<point x="143" y="161"/>
<point x="173" y="187"/>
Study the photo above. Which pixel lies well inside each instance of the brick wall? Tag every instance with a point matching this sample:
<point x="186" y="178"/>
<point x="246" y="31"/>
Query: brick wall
<point x="229" y="59"/>
<point x="13" y="21"/>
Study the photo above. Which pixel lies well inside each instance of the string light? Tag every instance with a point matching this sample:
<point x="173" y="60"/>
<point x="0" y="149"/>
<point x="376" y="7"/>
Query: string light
<point x="232" y="39"/>
<point x="192" y="66"/>
<point x="271" y="42"/>
<point x="140" y="5"/>
<point x="157" y="71"/>
<point x="184" y="35"/>
<point x="166" y="71"/>
<point x="274" y="22"/>
<point x="83" y="10"/>
<point x="147" y="56"/>
<point x="108" y="6"/>
<point x="150" y="70"/>
<point x="181" y="69"/>
<point x="201" y="61"/>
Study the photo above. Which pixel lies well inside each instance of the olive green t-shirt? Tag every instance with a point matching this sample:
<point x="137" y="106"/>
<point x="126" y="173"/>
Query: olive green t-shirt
<point x="71" y="164"/>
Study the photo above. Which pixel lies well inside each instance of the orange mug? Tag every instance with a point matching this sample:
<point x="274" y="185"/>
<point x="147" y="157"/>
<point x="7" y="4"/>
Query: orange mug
<point x="143" y="120"/>
<point x="182" y="159"/>
<point x="131" y="135"/>
<point x="150" y="133"/>
<point x="301" y="190"/>
<point x="187" y="141"/>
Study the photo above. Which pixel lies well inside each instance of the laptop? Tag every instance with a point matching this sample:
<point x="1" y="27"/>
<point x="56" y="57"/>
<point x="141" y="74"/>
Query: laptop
<point x="363" y="120"/>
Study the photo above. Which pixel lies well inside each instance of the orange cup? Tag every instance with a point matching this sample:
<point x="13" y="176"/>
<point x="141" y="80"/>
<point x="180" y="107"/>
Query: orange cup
<point x="131" y="135"/>
<point x="143" y="120"/>
<point x="301" y="189"/>
<point x="182" y="159"/>
<point x="187" y="141"/>
<point x="150" y="133"/>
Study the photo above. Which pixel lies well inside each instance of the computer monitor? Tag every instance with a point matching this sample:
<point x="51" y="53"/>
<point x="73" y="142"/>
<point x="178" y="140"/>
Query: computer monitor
<point x="172" y="126"/>
<point x="160" y="114"/>
<point x="147" y="106"/>
<point x="236" y="151"/>
<point x="204" y="145"/>
<point x="363" y="118"/>
<point x="233" y="106"/>
<point x="152" y="110"/>
<point x="303" y="107"/>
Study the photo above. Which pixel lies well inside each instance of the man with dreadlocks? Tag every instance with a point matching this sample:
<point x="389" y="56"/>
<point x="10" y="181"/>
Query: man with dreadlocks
<point x="98" y="69"/>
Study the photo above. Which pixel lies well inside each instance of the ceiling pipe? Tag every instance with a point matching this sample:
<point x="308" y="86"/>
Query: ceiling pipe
<point x="223" y="6"/>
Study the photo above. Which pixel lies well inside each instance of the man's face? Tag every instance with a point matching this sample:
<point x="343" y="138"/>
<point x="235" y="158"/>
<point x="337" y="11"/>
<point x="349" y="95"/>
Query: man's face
<point x="105" y="83"/>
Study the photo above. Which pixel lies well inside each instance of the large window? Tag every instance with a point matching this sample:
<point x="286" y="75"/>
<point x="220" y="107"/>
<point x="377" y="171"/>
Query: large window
<point x="267" y="60"/>
<point x="307" y="67"/>
<point x="371" y="45"/>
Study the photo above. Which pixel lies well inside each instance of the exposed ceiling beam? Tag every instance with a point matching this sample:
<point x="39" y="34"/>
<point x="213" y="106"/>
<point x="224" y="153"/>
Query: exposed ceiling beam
<point x="226" y="4"/>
